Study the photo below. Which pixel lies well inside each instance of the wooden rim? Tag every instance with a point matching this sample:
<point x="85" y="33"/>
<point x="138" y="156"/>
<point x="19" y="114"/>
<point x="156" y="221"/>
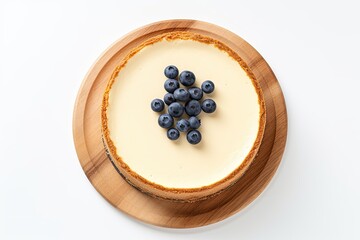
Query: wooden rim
<point x="104" y="177"/>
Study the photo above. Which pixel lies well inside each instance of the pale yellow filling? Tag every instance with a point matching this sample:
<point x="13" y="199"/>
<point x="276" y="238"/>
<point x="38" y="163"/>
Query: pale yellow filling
<point x="228" y="134"/>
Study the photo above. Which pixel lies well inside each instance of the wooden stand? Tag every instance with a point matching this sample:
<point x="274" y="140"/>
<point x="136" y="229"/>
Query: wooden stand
<point x="107" y="181"/>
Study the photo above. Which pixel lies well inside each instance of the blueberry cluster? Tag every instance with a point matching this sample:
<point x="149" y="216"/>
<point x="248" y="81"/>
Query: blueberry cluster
<point x="182" y="100"/>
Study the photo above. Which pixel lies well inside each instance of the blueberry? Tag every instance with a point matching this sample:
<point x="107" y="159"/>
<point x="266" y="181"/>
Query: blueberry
<point x="171" y="84"/>
<point x="176" y="109"/>
<point x="171" y="71"/>
<point x="157" y="105"/>
<point x="208" y="106"/>
<point x="182" y="95"/>
<point x="193" y="108"/>
<point x="173" y="134"/>
<point x="187" y="78"/>
<point x="165" y="120"/>
<point x="193" y="137"/>
<point x="169" y="98"/>
<point x="196" y="93"/>
<point x="194" y="122"/>
<point x="208" y="86"/>
<point x="183" y="125"/>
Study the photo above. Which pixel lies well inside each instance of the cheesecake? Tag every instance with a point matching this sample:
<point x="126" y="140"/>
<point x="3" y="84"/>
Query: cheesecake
<point x="177" y="170"/>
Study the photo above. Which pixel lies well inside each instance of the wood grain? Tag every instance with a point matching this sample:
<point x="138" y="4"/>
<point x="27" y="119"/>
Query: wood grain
<point x="104" y="177"/>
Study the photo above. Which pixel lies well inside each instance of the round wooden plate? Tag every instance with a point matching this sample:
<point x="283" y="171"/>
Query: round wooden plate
<point x="107" y="181"/>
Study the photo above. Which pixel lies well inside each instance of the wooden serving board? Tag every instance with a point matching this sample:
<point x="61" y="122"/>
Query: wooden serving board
<point x="108" y="182"/>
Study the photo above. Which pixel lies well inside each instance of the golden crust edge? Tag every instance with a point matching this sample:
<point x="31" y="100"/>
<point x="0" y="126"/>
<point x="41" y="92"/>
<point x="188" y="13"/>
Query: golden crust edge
<point x="183" y="35"/>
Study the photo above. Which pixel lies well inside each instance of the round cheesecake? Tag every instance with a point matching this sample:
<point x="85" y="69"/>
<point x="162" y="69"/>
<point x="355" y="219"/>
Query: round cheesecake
<point x="177" y="170"/>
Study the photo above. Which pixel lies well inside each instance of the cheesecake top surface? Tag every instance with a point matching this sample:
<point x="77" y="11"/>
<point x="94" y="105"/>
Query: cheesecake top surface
<point x="230" y="135"/>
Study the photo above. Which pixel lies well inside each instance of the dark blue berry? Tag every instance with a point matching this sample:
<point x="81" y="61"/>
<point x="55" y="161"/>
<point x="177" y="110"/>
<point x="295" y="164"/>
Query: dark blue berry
<point x="157" y="105"/>
<point x="183" y="125"/>
<point x="176" y="109"/>
<point x="171" y="84"/>
<point x="193" y="108"/>
<point x="173" y="134"/>
<point x="171" y="71"/>
<point x="196" y="93"/>
<point x="193" y="137"/>
<point x="208" y="106"/>
<point x="165" y="120"/>
<point x="169" y="98"/>
<point x="208" y="86"/>
<point x="194" y="122"/>
<point x="181" y="94"/>
<point x="187" y="78"/>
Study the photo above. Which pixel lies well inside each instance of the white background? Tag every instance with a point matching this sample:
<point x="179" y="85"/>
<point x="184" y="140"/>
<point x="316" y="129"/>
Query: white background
<point x="46" y="49"/>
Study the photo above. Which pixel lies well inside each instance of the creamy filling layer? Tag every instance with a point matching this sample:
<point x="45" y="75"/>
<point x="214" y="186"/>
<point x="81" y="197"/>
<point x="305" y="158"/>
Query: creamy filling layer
<point x="227" y="135"/>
